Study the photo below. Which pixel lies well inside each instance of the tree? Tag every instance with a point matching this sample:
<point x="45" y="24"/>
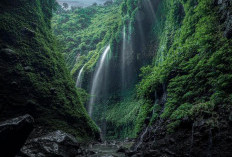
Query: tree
<point x="94" y="4"/>
<point x="109" y="2"/>
<point x="65" y="5"/>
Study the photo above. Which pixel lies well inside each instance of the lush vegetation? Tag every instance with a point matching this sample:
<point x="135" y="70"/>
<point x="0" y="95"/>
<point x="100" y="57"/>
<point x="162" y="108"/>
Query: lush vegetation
<point x="180" y="64"/>
<point x="193" y="61"/>
<point x="34" y="78"/>
<point x="84" y="32"/>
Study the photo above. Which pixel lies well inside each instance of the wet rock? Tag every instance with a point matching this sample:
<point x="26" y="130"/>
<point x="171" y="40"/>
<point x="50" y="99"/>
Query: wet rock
<point x="91" y="152"/>
<point x="226" y="17"/>
<point x="121" y="149"/>
<point x="8" y="54"/>
<point x="13" y="134"/>
<point x="130" y="153"/>
<point x="154" y="152"/>
<point x="169" y="152"/>
<point x="56" y="143"/>
<point x="147" y="120"/>
<point x="28" y="68"/>
<point x="219" y="1"/>
<point x="228" y="30"/>
<point x="14" y="83"/>
<point x="27" y="32"/>
<point x="172" y="140"/>
<point x="230" y="116"/>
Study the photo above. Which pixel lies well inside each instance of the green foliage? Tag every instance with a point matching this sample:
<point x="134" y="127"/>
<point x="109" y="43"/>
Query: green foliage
<point x="34" y="78"/>
<point x="193" y="59"/>
<point x="85" y="32"/>
<point x="122" y="116"/>
<point x="144" y="111"/>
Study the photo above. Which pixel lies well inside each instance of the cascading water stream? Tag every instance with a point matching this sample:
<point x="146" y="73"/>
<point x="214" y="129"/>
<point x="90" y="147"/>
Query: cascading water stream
<point x="150" y="8"/>
<point x="79" y="78"/>
<point x="124" y="57"/>
<point x="96" y="80"/>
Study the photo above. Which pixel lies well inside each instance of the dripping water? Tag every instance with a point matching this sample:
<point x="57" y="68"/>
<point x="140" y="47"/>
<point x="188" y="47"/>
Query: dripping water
<point x="97" y="81"/>
<point x="79" y="78"/>
<point x="141" y="138"/>
<point x="124" y="57"/>
<point x="150" y="8"/>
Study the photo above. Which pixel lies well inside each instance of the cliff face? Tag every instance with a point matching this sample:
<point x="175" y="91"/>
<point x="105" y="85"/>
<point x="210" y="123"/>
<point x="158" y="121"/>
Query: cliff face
<point x="187" y="86"/>
<point x="34" y="78"/>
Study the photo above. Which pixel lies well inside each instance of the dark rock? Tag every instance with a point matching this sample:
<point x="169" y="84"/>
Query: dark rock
<point x="13" y="134"/>
<point x="147" y="120"/>
<point x="8" y="54"/>
<point x="121" y="149"/>
<point x="226" y="17"/>
<point x="172" y="140"/>
<point x="14" y="83"/>
<point x="130" y="153"/>
<point x="219" y="2"/>
<point x="199" y="123"/>
<point x="27" y="32"/>
<point x="56" y="143"/>
<point x="230" y="116"/>
<point x="169" y="152"/>
<point x="228" y="30"/>
<point x="90" y="152"/>
<point x="28" y="68"/>
<point x="53" y="91"/>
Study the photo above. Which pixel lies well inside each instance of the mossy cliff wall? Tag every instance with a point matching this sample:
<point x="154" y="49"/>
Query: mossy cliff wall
<point x="188" y="85"/>
<point x="34" y="78"/>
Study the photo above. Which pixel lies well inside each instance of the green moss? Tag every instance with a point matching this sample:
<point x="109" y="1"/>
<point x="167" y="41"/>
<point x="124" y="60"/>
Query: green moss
<point x="192" y="59"/>
<point x="84" y="33"/>
<point x="34" y="75"/>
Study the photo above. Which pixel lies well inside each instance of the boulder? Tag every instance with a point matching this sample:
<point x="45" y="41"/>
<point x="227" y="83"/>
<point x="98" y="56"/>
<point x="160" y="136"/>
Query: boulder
<point x="8" y="54"/>
<point x="121" y="149"/>
<point x="57" y="143"/>
<point x="29" y="33"/>
<point x="13" y="134"/>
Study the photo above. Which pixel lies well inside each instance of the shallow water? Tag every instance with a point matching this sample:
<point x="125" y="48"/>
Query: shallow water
<point x="103" y="150"/>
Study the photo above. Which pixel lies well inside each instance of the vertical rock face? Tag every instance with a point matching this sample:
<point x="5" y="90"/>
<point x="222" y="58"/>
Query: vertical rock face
<point x="226" y="16"/>
<point x="194" y="119"/>
<point x="13" y="134"/>
<point x="34" y="78"/>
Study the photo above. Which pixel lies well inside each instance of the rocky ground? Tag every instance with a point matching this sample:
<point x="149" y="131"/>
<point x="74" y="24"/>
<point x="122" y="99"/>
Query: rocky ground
<point x="24" y="140"/>
<point x="191" y="139"/>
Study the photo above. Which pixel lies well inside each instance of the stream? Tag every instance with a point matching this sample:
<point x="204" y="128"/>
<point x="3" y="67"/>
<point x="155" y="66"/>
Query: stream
<point x="108" y="149"/>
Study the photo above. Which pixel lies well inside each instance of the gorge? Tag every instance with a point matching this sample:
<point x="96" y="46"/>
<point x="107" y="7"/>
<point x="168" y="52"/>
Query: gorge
<point x="120" y="78"/>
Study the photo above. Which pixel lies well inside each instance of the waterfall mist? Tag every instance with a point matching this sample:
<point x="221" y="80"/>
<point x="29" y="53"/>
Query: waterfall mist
<point x="98" y="80"/>
<point x="79" y="78"/>
<point x="127" y="59"/>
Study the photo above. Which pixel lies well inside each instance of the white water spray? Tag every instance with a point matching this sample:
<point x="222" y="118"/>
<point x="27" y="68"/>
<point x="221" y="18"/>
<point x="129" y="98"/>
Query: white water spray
<point x="124" y="57"/>
<point x="79" y="78"/>
<point x="151" y="9"/>
<point x="96" y="80"/>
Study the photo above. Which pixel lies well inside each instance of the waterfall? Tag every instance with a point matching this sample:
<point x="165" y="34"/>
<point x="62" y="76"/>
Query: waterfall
<point x="150" y="8"/>
<point x="97" y="81"/>
<point x="127" y="59"/>
<point x="123" y="70"/>
<point x="79" y="78"/>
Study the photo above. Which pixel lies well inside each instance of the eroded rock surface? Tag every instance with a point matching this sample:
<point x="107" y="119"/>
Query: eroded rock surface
<point x="13" y="134"/>
<point x="57" y="143"/>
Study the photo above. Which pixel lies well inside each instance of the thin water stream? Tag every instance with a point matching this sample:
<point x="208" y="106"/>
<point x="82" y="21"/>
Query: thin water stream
<point x="79" y="78"/>
<point x="96" y="83"/>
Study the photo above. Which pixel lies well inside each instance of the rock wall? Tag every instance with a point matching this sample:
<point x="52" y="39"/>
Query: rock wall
<point x="34" y="78"/>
